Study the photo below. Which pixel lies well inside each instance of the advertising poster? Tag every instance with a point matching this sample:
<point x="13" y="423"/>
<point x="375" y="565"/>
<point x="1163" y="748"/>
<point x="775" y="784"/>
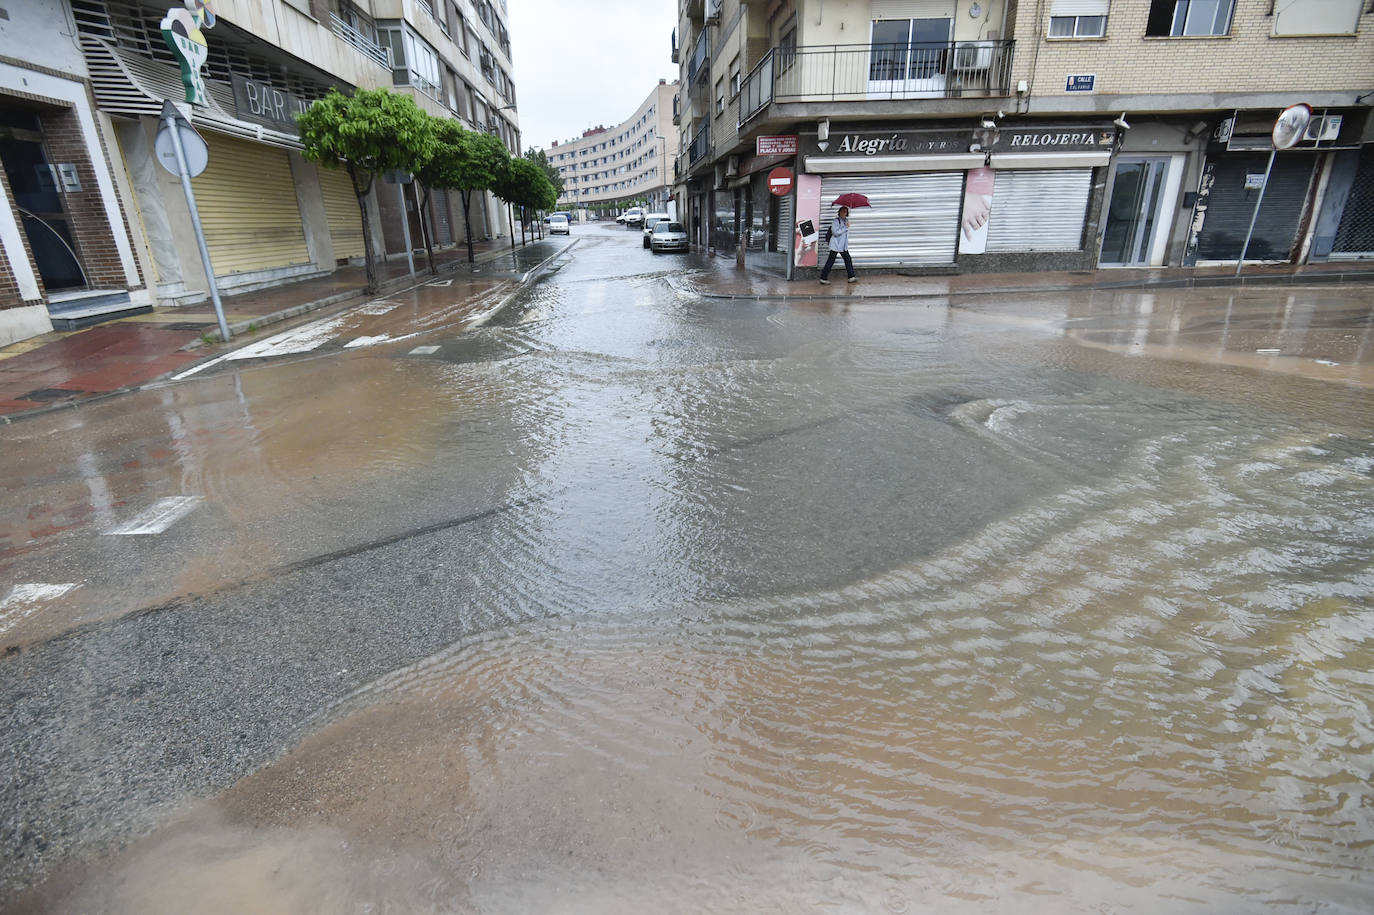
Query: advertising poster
<point x="973" y="232"/>
<point x="808" y="220"/>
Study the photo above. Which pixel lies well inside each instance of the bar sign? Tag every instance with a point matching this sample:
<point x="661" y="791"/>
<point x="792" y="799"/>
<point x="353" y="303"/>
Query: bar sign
<point x="1080" y="82"/>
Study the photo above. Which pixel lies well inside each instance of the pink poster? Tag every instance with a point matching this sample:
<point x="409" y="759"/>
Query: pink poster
<point x="973" y="232"/>
<point x="808" y="220"/>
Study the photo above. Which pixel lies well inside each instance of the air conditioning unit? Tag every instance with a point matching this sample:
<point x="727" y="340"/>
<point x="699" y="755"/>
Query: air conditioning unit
<point x="713" y="10"/>
<point x="973" y="55"/>
<point x="1323" y="128"/>
<point x="732" y="166"/>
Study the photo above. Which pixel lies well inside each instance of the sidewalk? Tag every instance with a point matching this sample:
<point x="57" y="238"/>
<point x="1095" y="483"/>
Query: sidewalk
<point x="723" y="280"/>
<point x="66" y="367"/>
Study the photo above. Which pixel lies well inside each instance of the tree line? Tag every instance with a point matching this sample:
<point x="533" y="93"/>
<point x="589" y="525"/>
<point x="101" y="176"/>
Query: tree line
<point x="374" y="131"/>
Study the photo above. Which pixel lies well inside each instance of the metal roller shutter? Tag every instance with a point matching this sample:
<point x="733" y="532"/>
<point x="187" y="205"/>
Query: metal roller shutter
<point x="443" y="218"/>
<point x="914" y="218"/>
<point x="1355" y="236"/>
<point x="248" y="207"/>
<point x="1039" y="209"/>
<point x="1230" y="207"/>
<point x="341" y="211"/>
<point x="782" y="227"/>
<point x="913" y="9"/>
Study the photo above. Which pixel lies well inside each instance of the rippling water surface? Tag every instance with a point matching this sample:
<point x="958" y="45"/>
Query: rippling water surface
<point x="809" y="607"/>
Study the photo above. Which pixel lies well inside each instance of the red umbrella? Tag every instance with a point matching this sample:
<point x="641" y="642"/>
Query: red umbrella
<point x="851" y="201"/>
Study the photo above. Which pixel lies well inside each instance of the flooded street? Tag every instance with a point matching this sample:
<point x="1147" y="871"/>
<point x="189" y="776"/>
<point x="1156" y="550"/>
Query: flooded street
<point x="628" y="599"/>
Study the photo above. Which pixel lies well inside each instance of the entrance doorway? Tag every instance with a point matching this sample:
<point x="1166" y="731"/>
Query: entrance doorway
<point x="908" y="57"/>
<point x="1136" y="227"/>
<point x="34" y="182"/>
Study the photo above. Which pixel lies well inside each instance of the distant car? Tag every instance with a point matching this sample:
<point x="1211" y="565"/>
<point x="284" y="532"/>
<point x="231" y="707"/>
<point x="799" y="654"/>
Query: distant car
<point x="650" y="221"/>
<point x="634" y="217"/>
<point x="620" y="219"/>
<point x="571" y="219"/>
<point x="559" y="223"/>
<point x="668" y="236"/>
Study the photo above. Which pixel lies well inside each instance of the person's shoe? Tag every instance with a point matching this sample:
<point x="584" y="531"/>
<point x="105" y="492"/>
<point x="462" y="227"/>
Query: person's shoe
<point x="853" y="279"/>
<point x="825" y="282"/>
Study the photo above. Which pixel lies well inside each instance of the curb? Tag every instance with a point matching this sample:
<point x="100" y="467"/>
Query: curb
<point x="1203" y="282"/>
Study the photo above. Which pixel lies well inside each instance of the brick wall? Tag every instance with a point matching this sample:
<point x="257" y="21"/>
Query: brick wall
<point x="1249" y="59"/>
<point x="91" y="229"/>
<point x="9" y="286"/>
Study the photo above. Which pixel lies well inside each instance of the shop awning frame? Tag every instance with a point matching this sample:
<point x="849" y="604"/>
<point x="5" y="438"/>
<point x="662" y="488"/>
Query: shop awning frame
<point x="835" y="165"/>
<point x="1089" y="159"/>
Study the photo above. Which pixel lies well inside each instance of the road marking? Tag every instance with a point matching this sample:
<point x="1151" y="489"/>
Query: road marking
<point x="23" y="600"/>
<point x="157" y="517"/>
<point x="440" y="283"/>
<point x="300" y="340"/>
<point x="379" y="307"/>
<point x="198" y="368"/>
<point x="367" y="341"/>
<point x="424" y="351"/>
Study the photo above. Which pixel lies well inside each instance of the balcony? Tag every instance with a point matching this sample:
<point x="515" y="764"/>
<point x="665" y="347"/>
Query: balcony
<point x="677" y="109"/>
<point x="675" y="51"/>
<point x="696" y="64"/>
<point x="364" y="45"/>
<point x="700" y="146"/>
<point x="860" y="73"/>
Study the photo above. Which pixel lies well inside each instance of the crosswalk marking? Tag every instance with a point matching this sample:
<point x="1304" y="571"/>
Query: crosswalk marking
<point x="157" y="517"/>
<point x="23" y="600"/>
<point x="424" y="351"/>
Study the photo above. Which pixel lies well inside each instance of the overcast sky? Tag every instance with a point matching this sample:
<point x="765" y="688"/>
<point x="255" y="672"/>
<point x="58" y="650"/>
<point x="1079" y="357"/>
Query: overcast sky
<point x="580" y="63"/>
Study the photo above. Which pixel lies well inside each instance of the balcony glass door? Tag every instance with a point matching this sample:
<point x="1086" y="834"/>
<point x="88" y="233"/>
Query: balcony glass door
<point x="1133" y="214"/>
<point x="908" y="57"/>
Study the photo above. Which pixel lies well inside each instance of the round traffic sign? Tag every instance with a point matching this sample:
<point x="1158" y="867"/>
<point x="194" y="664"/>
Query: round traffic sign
<point x="780" y="181"/>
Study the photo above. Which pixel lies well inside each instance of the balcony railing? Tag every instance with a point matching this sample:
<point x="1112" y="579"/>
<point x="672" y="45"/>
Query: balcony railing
<point x="857" y="73"/>
<point x="366" y="45"/>
<point x="700" y="146"/>
<point x="677" y="110"/>
<point x="675" y="51"/>
<point x="696" y="64"/>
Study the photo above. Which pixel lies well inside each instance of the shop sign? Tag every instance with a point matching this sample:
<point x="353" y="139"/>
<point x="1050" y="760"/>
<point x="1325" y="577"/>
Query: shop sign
<point x="780" y="182"/>
<point x="868" y="143"/>
<point x="263" y="103"/>
<point x="1254" y="181"/>
<point x="1083" y="138"/>
<point x="182" y="32"/>
<point x="1080" y="82"/>
<point x="776" y="146"/>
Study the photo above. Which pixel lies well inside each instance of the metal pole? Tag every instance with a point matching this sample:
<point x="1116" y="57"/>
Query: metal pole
<point x="195" y="223"/>
<point x="405" y="226"/>
<point x="1254" y="216"/>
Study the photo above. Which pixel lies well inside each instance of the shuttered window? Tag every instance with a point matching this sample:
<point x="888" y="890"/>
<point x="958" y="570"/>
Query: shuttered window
<point x="1039" y="209"/>
<point x="341" y="211"/>
<point x="248" y="207"/>
<point x="914" y="219"/>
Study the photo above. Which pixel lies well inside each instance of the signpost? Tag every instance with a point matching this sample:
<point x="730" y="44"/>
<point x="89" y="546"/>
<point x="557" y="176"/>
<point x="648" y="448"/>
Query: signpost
<point x="189" y="156"/>
<point x="1288" y="130"/>
<point x="780" y="181"/>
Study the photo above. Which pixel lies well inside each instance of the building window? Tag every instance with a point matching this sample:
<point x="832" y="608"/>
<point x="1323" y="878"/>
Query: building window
<point x="734" y="78"/>
<point x="909" y="49"/>
<point x="787" y="44"/>
<point x="1317" y="17"/>
<point x="1078" y="18"/>
<point x="413" y="63"/>
<point x="720" y="96"/>
<point x="1179" y="18"/>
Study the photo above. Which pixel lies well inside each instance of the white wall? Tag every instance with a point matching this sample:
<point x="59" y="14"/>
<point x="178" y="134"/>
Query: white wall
<point x="42" y="32"/>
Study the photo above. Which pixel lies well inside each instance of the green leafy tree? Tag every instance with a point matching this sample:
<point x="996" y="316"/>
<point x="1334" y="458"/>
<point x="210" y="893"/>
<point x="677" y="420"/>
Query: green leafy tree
<point x="441" y="171"/>
<point x="366" y="133"/>
<point x="475" y="164"/>
<point x="551" y="172"/>
<point x="524" y="184"/>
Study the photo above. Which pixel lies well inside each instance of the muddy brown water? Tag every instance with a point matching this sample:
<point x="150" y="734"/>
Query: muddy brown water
<point x="1055" y="605"/>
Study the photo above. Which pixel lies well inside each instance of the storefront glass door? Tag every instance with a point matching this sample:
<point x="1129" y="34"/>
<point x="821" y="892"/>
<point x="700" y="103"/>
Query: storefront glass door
<point x="1133" y="215"/>
<point x="39" y="201"/>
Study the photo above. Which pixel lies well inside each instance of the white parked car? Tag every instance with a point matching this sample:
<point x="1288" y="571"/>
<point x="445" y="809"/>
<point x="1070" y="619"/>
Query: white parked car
<point x="650" y="221"/>
<point x="668" y="236"/>
<point x="559" y="223"/>
<point x="634" y="217"/>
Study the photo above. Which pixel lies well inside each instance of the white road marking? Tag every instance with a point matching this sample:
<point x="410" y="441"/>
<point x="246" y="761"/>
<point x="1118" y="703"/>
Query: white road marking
<point x="440" y="283"/>
<point x="157" y="517"/>
<point x="299" y="340"/>
<point x="379" y="307"/>
<point x="199" y="368"/>
<point x="23" y="600"/>
<point x="424" y="350"/>
<point x="367" y="341"/>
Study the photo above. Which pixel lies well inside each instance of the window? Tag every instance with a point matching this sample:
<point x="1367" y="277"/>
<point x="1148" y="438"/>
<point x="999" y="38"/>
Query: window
<point x="1317" y="17"/>
<point x="413" y="63"/>
<point x="787" y="44"/>
<point x="720" y="96"/>
<point x="1078" y="26"/>
<point x="1178" y="18"/>
<point x="909" y="49"/>
<point x="734" y="78"/>
<point x="460" y="32"/>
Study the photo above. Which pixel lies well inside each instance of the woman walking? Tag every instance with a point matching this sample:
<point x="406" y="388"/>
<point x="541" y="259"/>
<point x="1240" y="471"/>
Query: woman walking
<point x="839" y="244"/>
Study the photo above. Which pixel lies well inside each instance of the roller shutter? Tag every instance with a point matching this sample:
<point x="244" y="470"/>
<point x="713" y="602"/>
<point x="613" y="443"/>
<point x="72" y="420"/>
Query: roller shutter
<point x="914" y="218"/>
<point x="341" y="210"/>
<point x="1230" y="206"/>
<point x="443" y="217"/>
<point x="782" y="226"/>
<point x="913" y="9"/>
<point x="1039" y="209"/>
<point x="1355" y="235"/>
<point x="248" y="207"/>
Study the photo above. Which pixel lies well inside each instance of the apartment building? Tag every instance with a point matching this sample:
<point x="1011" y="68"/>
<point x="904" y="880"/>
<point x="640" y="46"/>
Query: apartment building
<point x="608" y="169"/>
<point x="112" y="230"/>
<point x="1006" y="135"/>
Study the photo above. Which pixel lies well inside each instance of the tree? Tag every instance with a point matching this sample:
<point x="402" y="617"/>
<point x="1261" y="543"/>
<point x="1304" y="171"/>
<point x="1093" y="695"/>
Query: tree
<point x="474" y="162"/>
<point x="440" y="171"/>
<point x="370" y="131"/>
<point x="550" y="171"/>
<point x="524" y="184"/>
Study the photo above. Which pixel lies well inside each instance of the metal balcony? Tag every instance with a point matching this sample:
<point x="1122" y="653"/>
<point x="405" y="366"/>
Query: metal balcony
<point x="700" y="146"/>
<point x="677" y="109"/>
<point x="697" y="62"/>
<point x="676" y="55"/>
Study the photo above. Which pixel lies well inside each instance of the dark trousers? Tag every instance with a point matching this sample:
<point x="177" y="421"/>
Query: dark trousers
<point x="830" y="262"/>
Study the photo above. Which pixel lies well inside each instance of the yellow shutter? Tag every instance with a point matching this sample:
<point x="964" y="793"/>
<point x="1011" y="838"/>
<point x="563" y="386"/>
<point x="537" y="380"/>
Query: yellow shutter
<point x="248" y="207"/>
<point x="341" y="208"/>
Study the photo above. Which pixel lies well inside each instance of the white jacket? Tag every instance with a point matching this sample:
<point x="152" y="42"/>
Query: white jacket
<point x="839" y="235"/>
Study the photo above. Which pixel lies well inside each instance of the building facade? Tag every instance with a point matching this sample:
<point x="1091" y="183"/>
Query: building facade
<point x="607" y="170"/>
<point x="1006" y="135"/>
<point x="269" y="216"/>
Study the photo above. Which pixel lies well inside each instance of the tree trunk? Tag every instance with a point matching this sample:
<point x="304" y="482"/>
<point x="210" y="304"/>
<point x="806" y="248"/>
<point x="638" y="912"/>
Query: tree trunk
<point x="369" y="256"/>
<point x="510" y="218"/>
<point x="524" y="224"/>
<point x="424" y="230"/>
<point x="467" y="225"/>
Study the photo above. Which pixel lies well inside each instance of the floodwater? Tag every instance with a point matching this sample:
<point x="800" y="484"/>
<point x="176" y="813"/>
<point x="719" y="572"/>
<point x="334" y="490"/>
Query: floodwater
<point x="633" y="600"/>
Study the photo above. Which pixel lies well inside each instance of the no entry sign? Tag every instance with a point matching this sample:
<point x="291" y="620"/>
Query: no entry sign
<point x="780" y="181"/>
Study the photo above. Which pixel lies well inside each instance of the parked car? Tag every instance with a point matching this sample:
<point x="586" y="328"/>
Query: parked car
<point x="650" y="221"/>
<point x="634" y="217"/>
<point x="620" y="219"/>
<point x="668" y="236"/>
<point x="559" y="223"/>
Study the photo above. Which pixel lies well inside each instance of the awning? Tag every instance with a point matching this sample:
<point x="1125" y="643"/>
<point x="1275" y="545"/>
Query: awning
<point x="1089" y="159"/>
<point x="132" y="85"/>
<point x="834" y="165"/>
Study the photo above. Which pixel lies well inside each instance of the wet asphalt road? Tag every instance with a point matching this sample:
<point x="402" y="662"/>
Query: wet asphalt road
<point x="605" y="447"/>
